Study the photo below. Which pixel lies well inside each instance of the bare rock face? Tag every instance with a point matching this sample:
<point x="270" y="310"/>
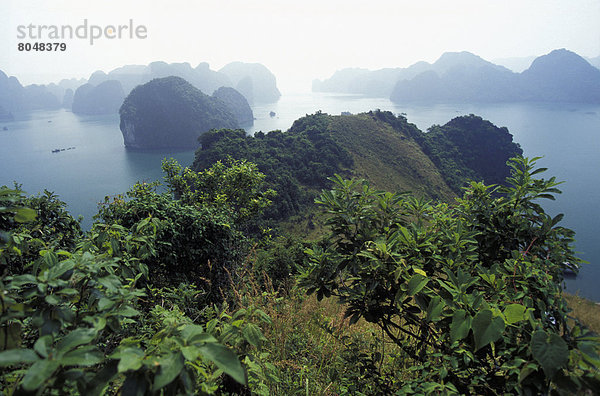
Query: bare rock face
<point x="128" y="131"/>
<point x="169" y="113"/>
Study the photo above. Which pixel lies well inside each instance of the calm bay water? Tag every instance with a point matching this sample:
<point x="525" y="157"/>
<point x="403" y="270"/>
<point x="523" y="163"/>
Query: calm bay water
<point x="568" y="136"/>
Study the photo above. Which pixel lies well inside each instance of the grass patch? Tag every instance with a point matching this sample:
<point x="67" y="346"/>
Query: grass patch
<point x="588" y="312"/>
<point x="390" y="159"/>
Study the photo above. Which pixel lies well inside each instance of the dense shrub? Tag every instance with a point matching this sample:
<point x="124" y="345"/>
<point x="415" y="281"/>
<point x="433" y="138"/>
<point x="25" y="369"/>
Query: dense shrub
<point x="49" y="226"/>
<point x="84" y="320"/>
<point x="70" y="324"/>
<point x="437" y="298"/>
<point x="279" y="260"/>
<point x="471" y="293"/>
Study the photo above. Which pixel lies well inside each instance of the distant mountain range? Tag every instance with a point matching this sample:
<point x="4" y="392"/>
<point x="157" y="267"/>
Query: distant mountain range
<point x="560" y="76"/>
<point x="520" y="64"/>
<point x="14" y="97"/>
<point x="253" y="80"/>
<point x="104" y="92"/>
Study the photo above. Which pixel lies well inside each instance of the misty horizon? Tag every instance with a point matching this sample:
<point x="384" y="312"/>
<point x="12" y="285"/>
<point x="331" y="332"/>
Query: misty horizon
<point x="297" y="42"/>
<point x="514" y="64"/>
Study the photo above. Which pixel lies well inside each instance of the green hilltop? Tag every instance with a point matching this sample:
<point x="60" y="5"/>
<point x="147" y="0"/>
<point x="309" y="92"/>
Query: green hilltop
<point x="386" y="154"/>
<point x="384" y="149"/>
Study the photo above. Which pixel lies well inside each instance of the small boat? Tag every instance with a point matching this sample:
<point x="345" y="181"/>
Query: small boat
<point x="58" y="150"/>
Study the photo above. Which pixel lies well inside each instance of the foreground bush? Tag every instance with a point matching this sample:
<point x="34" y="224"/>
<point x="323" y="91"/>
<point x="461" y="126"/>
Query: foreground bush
<point x="43" y="221"/>
<point x="199" y="222"/>
<point x="71" y="323"/>
<point x="471" y="293"/>
<point x="437" y="299"/>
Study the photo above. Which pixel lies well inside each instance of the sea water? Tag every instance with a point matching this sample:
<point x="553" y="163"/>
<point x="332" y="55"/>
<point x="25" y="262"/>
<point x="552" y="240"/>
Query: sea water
<point x="92" y="162"/>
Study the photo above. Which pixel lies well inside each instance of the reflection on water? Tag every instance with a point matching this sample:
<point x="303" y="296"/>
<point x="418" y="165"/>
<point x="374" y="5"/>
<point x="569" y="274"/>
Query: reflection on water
<point x="568" y="136"/>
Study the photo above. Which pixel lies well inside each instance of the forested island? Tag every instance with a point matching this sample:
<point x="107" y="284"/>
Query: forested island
<point x="171" y="113"/>
<point x="350" y="254"/>
<point x="378" y="146"/>
<point x="237" y="103"/>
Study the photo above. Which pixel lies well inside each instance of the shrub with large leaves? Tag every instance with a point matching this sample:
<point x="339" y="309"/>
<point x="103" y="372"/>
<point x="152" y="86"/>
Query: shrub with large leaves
<point x="12" y="212"/>
<point x="471" y="293"/>
<point x="69" y="325"/>
<point x="42" y="221"/>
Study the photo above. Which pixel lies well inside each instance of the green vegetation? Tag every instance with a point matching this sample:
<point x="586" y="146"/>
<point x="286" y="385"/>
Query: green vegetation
<point x="470" y="148"/>
<point x="471" y="294"/>
<point x="126" y="309"/>
<point x="296" y="164"/>
<point x="387" y="152"/>
<point x="237" y="104"/>
<point x="186" y="292"/>
<point x="377" y="146"/>
<point x="586" y="311"/>
<point x="48" y="225"/>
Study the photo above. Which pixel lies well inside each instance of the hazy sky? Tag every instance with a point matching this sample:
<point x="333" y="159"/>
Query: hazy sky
<point x="297" y="40"/>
